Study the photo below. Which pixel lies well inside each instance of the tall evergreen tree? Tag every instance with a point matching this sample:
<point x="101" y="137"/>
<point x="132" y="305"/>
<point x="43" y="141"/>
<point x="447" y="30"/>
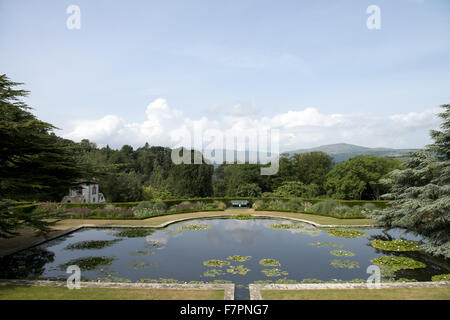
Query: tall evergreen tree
<point x="35" y="164"/>
<point x="421" y="193"/>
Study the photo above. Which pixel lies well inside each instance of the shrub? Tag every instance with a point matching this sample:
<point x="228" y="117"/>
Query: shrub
<point x="248" y="190"/>
<point x="185" y="205"/>
<point x="146" y="208"/>
<point x="290" y="189"/>
<point x="342" y="211"/>
<point x="325" y="207"/>
<point x="151" y="193"/>
<point x="368" y="208"/>
<point x="441" y="277"/>
<point x="258" y="204"/>
<point x="267" y="194"/>
<point x="276" y="205"/>
<point x="294" y="205"/>
<point x="307" y="205"/>
<point x="112" y="211"/>
<point x="81" y="212"/>
<point x="220" y="205"/>
<point x="50" y="208"/>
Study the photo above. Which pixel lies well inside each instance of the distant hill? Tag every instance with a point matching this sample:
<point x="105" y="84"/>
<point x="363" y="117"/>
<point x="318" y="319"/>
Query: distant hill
<point x="339" y="151"/>
<point x="343" y="151"/>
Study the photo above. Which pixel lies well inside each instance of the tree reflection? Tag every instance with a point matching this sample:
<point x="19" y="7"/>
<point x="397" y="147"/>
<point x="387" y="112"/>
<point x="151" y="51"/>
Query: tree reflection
<point x="26" y="264"/>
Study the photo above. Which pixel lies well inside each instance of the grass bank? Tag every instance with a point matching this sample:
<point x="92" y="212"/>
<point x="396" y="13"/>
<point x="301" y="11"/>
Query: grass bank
<point x="8" y="292"/>
<point x="435" y="293"/>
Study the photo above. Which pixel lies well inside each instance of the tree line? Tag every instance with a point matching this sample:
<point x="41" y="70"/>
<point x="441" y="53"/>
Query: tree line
<point x="37" y="165"/>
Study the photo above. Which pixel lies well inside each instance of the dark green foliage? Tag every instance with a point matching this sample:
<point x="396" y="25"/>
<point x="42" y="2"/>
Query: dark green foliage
<point x="12" y="219"/>
<point x="312" y="167"/>
<point x="248" y="190"/>
<point x="297" y="189"/>
<point x="147" y="173"/>
<point x="123" y="186"/>
<point x="35" y="164"/>
<point x="359" y="177"/>
<point x="25" y="264"/>
<point x="421" y="193"/>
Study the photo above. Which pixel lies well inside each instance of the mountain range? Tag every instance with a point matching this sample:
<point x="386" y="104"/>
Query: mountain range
<point x="343" y="151"/>
<point x="339" y="151"/>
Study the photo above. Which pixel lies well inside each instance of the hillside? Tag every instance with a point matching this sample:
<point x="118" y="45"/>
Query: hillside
<point x="343" y="151"/>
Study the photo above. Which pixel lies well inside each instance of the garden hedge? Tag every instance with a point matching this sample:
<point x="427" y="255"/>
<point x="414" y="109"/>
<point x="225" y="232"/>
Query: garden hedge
<point x="26" y="207"/>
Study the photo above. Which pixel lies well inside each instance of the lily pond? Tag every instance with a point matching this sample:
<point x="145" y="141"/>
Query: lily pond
<point x="227" y="251"/>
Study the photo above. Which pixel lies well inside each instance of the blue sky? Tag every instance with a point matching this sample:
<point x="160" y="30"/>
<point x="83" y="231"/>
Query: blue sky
<point x="139" y="71"/>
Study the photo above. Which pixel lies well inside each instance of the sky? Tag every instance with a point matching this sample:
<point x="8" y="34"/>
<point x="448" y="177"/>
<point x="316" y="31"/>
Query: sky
<point x="150" y="71"/>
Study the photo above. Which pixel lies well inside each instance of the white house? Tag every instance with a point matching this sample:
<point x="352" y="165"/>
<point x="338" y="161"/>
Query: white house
<point x="86" y="192"/>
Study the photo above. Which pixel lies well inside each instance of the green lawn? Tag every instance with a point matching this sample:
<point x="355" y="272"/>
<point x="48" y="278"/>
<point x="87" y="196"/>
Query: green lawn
<point x="436" y="293"/>
<point x="8" y="292"/>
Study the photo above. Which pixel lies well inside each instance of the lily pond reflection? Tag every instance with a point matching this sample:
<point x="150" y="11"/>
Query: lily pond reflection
<point x="215" y="250"/>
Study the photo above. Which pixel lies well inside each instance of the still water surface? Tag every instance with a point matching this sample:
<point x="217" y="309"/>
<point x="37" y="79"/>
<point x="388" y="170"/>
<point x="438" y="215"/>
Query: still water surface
<point x="174" y="253"/>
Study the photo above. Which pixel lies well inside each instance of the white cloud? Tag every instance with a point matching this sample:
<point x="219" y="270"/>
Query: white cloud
<point x="167" y="126"/>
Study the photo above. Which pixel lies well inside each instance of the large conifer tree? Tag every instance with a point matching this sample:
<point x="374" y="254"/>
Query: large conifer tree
<point x="421" y="193"/>
<point x="35" y="164"/>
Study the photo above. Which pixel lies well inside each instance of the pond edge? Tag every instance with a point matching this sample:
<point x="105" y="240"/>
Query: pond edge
<point x="165" y="224"/>
<point x="228" y="288"/>
<point x="255" y="289"/>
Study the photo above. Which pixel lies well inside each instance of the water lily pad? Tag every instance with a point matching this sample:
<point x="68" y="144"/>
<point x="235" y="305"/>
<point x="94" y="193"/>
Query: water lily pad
<point x="135" y="232"/>
<point x="212" y="273"/>
<point x="269" y="262"/>
<point x="91" y="244"/>
<point x="216" y="263"/>
<point x="238" y="270"/>
<point x="275" y="272"/>
<point x="88" y="263"/>
<point x="337" y="263"/>
<point x="345" y="233"/>
<point x="195" y="226"/>
<point x="239" y="258"/>
<point x="342" y="253"/>
<point x="320" y="244"/>
<point x="395" y="245"/>
<point x="395" y="263"/>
